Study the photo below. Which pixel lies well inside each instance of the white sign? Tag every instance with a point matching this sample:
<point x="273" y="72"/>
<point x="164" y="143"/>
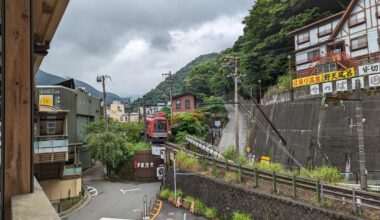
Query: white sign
<point x="327" y="87"/>
<point x="341" y="86"/>
<point x="314" y="89"/>
<point x="374" y="80"/>
<point x="157" y="150"/>
<point x="353" y="81"/>
<point x="369" y="69"/>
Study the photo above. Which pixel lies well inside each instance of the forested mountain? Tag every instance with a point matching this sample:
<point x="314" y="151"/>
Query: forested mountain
<point x="263" y="50"/>
<point x="161" y="92"/>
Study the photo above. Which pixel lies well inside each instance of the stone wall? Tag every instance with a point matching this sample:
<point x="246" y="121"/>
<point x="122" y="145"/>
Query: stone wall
<point x="321" y="135"/>
<point x="227" y="198"/>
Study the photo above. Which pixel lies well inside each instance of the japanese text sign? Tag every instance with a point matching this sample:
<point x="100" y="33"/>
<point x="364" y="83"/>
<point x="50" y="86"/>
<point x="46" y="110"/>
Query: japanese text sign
<point x="369" y="69"/>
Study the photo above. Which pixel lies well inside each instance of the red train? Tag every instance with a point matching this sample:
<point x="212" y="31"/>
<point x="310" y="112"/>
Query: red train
<point x="158" y="127"/>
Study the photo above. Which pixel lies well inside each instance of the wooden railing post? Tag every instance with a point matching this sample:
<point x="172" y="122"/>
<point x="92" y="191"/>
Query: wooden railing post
<point x="256" y="176"/>
<point x="294" y="182"/>
<point x="274" y="182"/>
<point x="318" y="191"/>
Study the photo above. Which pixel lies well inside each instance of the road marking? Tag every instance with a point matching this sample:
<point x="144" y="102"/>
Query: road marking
<point x="103" y="218"/>
<point x="128" y="190"/>
<point x="92" y="191"/>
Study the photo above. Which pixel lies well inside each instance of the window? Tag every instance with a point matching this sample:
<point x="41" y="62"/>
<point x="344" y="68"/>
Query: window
<point x="359" y="43"/>
<point x="303" y="38"/>
<point x="378" y="11"/>
<point x="178" y="104"/>
<point x="312" y="55"/>
<point x="324" y="30"/>
<point x="159" y="125"/>
<point x="187" y="104"/>
<point x="357" y="19"/>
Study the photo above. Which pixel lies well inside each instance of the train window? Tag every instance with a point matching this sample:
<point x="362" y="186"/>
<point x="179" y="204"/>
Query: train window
<point x="160" y="125"/>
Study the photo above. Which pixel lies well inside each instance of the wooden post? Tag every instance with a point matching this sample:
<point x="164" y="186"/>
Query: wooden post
<point x="294" y="186"/>
<point x="318" y="191"/>
<point x="18" y="100"/>
<point x="226" y="165"/>
<point x="274" y="182"/>
<point x="256" y="176"/>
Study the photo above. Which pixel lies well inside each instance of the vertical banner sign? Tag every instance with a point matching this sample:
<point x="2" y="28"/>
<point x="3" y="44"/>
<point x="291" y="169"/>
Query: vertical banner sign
<point x="46" y="100"/>
<point x="314" y="90"/>
<point x="341" y="86"/>
<point x="374" y="80"/>
<point x="327" y="87"/>
<point x="369" y="69"/>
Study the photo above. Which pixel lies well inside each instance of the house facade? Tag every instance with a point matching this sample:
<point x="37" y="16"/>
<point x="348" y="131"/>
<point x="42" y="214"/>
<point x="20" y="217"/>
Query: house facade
<point x="335" y="52"/>
<point x="184" y="103"/>
<point x="116" y="111"/>
<point x="346" y="39"/>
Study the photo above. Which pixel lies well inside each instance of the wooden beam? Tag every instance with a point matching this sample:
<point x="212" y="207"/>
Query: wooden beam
<point x="18" y="102"/>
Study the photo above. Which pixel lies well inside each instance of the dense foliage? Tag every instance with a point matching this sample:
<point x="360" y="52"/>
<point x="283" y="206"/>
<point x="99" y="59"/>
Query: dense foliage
<point x="116" y="145"/>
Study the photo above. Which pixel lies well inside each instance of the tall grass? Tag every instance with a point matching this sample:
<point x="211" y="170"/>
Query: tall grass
<point x="210" y="213"/>
<point x="186" y="162"/>
<point x="324" y="174"/>
<point x="241" y="216"/>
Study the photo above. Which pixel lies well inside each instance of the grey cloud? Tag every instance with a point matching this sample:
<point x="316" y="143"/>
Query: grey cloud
<point x="93" y="31"/>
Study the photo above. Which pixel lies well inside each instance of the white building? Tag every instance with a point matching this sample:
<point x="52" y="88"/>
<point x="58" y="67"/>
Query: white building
<point x="116" y="111"/>
<point x="341" y="41"/>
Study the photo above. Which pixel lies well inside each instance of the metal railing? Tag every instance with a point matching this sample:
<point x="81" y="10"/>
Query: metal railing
<point x="322" y="190"/>
<point x="208" y="148"/>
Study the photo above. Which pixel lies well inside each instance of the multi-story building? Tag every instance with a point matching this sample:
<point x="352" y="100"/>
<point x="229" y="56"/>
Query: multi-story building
<point x="59" y="178"/>
<point x="116" y="111"/>
<point x="337" y="48"/>
<point x="83" y="109"/>
<point x="185" y="102"/>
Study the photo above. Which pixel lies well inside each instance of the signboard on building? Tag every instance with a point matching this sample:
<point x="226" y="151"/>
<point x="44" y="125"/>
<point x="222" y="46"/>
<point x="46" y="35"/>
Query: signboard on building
<point x="354" y="82"/>
<point x="369" y="69"/>
<point x="314" y="90"/>
<point x="327" y="87"/>
<point x="46" y="100"/>
<point x="341" y="86"/>
<point x="325" y="77"/>
<point x="374" y="80"/>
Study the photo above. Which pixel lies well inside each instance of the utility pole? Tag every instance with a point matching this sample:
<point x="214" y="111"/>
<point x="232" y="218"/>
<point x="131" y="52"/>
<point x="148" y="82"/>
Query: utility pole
<point x="145" y="122"/>
<point x="360" y="129"/>
<point x="233" y="63"/>
<point x="170" y="81"/>
<point x="102" y="79"/>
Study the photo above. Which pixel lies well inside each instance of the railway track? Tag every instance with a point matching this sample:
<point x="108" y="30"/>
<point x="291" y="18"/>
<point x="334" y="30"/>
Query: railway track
<point x="350" y="196"/>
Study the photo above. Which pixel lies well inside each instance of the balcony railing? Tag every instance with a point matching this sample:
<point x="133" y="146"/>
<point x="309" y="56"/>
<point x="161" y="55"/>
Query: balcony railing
<point x="51" y="151"/>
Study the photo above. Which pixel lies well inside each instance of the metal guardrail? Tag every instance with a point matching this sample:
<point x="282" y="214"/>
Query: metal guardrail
<point x="208" y="148"/>
<point x="356" y="197"/>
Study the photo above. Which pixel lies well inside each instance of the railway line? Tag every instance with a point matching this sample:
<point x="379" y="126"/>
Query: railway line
<point x="357" y="198"/>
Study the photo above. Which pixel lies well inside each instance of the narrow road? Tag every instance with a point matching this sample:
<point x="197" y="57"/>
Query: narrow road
<point x="119" y="200"/>
<point x="228" y="134"/>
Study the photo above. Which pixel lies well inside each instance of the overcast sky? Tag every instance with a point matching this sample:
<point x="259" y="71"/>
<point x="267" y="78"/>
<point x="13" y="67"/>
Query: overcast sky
<point x="134" y="41"/>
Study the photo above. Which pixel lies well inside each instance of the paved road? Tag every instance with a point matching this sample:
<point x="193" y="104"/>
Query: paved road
<point x="228" y="135"/>
<point x="169" y="212"/>
<point x="120" y="200"/>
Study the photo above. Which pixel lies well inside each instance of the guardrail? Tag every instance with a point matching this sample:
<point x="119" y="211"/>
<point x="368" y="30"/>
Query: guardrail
<point x="357" y="198"/>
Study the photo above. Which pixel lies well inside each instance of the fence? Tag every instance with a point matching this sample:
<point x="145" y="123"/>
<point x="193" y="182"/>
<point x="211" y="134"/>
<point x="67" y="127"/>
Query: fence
<point x="357" y="198"/>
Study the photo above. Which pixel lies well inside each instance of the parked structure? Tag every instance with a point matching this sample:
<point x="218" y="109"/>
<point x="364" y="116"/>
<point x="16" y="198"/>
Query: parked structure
<point x="116" y="111"/>
<point x="186" y="102"/>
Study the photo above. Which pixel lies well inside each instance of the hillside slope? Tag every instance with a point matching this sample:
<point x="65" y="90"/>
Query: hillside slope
<point x="43" y="78"/>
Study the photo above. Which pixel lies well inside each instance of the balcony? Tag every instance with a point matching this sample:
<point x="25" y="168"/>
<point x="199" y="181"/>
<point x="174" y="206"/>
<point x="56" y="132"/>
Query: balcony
<point x="53" y="150"/>
<point x="72" y="172"/>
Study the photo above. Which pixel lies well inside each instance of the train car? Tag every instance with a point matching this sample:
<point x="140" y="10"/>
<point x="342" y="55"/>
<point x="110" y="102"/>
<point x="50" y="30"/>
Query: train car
<point x="158" y="126"/>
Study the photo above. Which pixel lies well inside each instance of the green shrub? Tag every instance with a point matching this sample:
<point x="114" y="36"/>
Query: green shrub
<point x="210" y="212"/>
<point x="200" y="207"/>
<point x="325" y="174"/>
<point x="166" y="193"/>
<point x="180" y="137"/>
<point x="241" y="216"/>
<point x="187" y="203"/>
<point x="271" y="167"/>
<point x="186" y="162"/>
<point x="230" y="153"/>
<point x="179" y="193"/>
<point x="231" y="177"/>
<point x="242" y="160"/>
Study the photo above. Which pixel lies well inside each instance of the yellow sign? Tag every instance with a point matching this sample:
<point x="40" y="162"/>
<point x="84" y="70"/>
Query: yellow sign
<point x="248" y="149"/>
<point x="46" y="100"/>
<point x="265" y="159"/>
<point x="325" y="77"/>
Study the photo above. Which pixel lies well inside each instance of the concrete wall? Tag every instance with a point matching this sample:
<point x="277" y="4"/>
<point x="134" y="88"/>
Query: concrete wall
<point x="227" y="198"/>
<point x="61" y="189"/>
<point x="321" y="135"/>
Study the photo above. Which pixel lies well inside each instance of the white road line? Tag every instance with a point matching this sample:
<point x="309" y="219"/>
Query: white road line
<point x="128" y="190"/>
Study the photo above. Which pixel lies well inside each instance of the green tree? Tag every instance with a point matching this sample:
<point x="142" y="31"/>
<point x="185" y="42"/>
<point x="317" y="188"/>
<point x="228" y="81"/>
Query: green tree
<point x="190" y="123"/>
<point x="199" y="79"/>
